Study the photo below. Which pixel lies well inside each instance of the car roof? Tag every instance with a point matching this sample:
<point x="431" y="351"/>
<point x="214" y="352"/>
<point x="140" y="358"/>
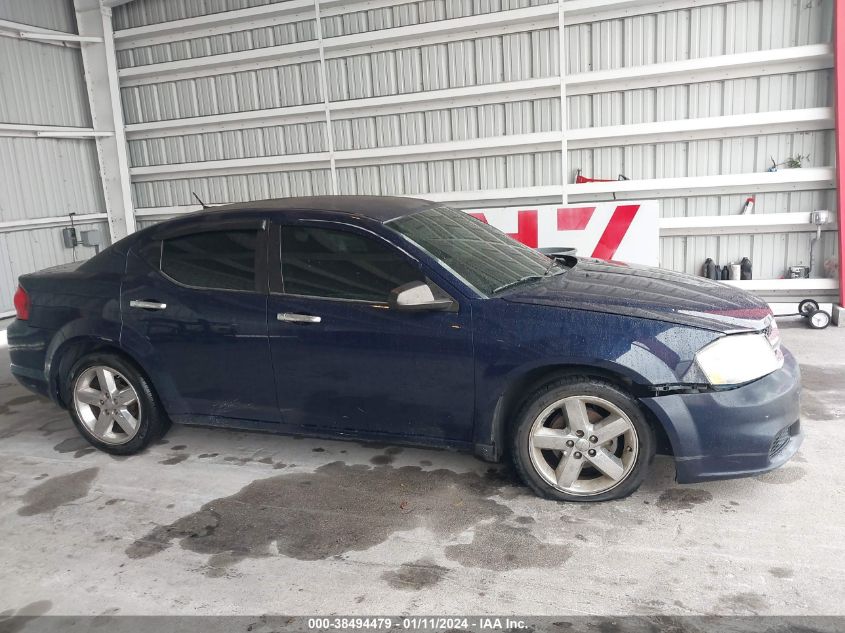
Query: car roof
<point x="378" y="208"/>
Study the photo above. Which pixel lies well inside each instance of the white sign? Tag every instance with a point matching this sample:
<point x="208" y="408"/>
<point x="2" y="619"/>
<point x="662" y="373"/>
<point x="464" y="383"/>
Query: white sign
<point x="620" y="231"/>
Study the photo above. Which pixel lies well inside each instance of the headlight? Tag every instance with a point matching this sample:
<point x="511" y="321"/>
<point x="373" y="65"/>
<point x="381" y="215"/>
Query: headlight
<point x="739" y="358"/>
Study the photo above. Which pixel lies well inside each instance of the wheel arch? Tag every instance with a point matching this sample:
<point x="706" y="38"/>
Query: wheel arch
<point x="70" y="351"/>
<point x="526" y="383"/>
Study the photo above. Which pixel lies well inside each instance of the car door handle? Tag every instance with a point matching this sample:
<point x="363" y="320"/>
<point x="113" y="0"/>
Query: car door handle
<point x="289" y="317"/>
<point x="147" y="305"/>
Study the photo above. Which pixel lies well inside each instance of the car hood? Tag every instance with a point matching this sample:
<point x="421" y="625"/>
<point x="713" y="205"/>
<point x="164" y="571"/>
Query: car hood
<point x="651" y="293"/>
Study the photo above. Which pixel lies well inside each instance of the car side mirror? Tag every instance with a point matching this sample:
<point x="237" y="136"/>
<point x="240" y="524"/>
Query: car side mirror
<point x="418" y="296"/>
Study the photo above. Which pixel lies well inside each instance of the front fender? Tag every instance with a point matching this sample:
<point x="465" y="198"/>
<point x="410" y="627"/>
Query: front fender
<point x="515" y="340"/>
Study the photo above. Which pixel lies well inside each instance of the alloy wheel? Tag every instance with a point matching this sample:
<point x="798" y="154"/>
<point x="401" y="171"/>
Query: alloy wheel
<point x="583" y="445"/>
<point x="107" y="404"/>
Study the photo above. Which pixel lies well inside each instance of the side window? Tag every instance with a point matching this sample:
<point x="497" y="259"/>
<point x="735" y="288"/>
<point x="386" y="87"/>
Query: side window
<point x="219" y="259"/>
<point x="341" y="265"/>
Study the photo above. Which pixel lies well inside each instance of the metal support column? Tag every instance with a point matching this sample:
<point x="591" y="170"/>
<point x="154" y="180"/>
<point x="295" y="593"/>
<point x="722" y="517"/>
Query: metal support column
<point x="100" y="64"/>
<point x="324" y="88"/>
<point x="564" y="162"/>
<point x="839" y="101"/>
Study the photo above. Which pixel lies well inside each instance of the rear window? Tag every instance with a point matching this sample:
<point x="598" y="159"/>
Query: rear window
<point x="219" y="259"/>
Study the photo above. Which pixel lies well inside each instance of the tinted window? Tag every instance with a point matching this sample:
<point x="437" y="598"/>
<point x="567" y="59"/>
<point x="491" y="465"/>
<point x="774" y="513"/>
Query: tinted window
<point x="341" y="265"/>
<point x="485" y="257"/>
<point x="220" y="259"/>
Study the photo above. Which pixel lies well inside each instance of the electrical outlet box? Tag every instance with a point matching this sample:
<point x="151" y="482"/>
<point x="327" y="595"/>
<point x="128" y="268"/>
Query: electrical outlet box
<point x="91" y="238"/>
<point x="821" y="216"/>
<point x="69" y="237"/>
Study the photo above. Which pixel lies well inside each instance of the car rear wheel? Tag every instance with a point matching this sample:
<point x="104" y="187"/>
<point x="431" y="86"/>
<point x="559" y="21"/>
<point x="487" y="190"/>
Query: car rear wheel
<point x="113" y="405"/>
<point x="582" y="439"/>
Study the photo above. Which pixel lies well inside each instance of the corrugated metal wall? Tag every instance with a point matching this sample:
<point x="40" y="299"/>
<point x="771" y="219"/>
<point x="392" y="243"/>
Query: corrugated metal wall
<point x="733" y="27"/>
<point x="529" y="51"/>
<point x="43" y="84"/>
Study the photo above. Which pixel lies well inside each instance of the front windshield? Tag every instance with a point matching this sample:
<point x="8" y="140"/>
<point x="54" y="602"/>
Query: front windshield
<point x="483" y="256"/>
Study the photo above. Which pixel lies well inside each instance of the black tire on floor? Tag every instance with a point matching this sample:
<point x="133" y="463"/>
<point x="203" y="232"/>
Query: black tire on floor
<point x="561" y="388"/>
<point x="807" y="306"/>
<point x="819" y="319"/>
<point x="154" y="422"/>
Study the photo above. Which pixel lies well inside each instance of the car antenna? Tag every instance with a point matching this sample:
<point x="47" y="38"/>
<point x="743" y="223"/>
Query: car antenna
<point x="204" y="205"/>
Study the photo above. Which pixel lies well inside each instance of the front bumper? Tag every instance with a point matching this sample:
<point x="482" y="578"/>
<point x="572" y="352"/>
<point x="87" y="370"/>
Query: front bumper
<point x="735" y="433"/>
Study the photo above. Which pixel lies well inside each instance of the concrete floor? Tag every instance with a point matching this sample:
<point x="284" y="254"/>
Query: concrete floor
<point x="214" y="522"/>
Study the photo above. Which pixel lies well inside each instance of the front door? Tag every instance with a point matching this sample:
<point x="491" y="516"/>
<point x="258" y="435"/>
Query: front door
<point x="195" y="313"/>
<point x="343" y="359"/>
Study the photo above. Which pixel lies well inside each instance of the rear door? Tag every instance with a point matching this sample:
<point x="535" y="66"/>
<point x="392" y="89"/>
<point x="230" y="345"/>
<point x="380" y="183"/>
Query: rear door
<point x="347" y="362"/>
<point x="194" y="307"/>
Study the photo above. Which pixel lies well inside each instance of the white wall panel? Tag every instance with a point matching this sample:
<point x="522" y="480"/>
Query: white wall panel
<point x="721" y="29"/>
<point x="135" y="14"/>
<point x="49" y="14"/>
<point x="41" y="84"/>
<point x="48" y="178"/>
<point x="278" y="87"/>
<point x="641" y="40"/>
<point x="264" y="37"/>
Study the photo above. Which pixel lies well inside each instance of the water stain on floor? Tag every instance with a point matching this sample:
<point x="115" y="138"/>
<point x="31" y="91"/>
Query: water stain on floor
<point x="57" y="491"/>
<point x="745" y="603"/>
<point x="682" y="498"/>
<point x="420" y="574"/>
<point x="10" y="405"/>
<point x="357" y="508"/>
<point x="14" y="621"/>
<point x="76" y="445"/>
<point x="501" y="547"/>
<point x="176" y="459"/>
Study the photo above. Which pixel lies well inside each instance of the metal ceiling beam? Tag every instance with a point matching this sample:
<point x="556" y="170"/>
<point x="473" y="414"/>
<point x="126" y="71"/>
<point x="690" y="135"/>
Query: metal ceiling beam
<point x="21" y="31"/>
<point x="48" y="131"/>
<point x="793" y="222"/>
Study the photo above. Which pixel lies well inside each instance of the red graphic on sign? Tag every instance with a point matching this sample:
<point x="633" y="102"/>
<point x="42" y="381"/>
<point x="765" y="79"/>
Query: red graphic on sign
<point x="615" y="231"/>
<point x="574" y="219"/>
<point x="526" y="228"/>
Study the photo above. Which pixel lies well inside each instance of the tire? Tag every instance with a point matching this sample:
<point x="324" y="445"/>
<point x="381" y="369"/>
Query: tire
<point x="807" y="307"/>
<point x="819" y="319"/>
<point x="539" y="457"/>
<point x="102" y="419"/>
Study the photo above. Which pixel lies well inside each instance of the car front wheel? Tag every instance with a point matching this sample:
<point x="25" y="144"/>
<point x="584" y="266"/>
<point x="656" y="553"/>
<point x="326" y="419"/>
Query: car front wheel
<point x="582" y="439"/>
<point x="113" y="405"/>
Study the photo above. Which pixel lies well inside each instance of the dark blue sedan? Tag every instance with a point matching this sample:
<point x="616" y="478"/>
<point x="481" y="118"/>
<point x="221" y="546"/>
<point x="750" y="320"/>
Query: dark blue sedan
<point x="406" y="321"/>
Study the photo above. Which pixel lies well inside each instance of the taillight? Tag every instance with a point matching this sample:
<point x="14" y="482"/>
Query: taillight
<point x="22" y="303"/>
